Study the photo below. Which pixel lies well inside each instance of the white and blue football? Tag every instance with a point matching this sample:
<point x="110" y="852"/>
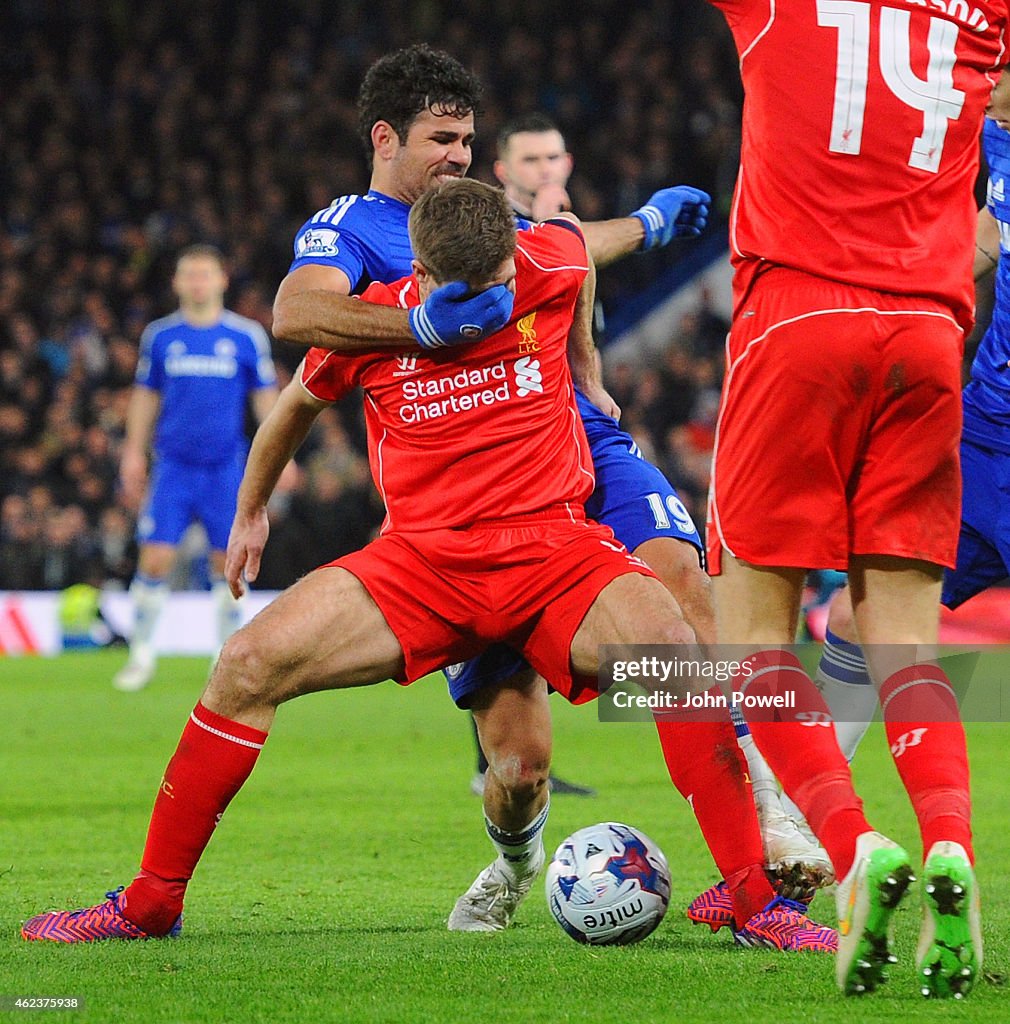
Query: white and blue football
<point x="608" y="885"/>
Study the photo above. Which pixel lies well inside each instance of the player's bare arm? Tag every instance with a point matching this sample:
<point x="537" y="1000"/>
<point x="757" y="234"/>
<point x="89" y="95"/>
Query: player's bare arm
<point x="549" y="200"/>
<point x="611" y="240"/>
<point x="277" y="439"/>
<point x="670" y="213"/>
<point x="606" y="240"/>
<point x="583" y="357"/>
<point x="329" y="318"/>
<point x="314" y="307"/>
<point x="986" y="244"/>
<point x="141" y="415"/>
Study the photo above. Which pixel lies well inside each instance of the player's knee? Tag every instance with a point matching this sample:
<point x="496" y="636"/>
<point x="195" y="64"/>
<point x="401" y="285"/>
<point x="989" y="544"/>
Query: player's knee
<point x="156" y="560"/>
<point x="682" y="562"/>
<point x="841" y="619"/>
<point x="522" y="772"/>
<point x="521" y="763"/>
<point x="244" y="674"/>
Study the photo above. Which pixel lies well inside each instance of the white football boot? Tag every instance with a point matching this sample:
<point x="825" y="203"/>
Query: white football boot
<point x="490" y="903"/>
<point x="135" y="674"/>
<point x="800" y="866"/>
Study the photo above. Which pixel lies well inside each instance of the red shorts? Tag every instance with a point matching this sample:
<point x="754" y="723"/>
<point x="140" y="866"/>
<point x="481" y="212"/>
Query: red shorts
<point x="527" y="581"/>
<point x="838" y="428"/>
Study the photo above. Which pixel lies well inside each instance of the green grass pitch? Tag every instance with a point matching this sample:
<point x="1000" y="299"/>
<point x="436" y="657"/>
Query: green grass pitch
<point x="324" y="894"/>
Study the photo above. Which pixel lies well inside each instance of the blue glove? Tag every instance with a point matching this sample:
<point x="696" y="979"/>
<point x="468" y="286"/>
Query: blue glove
<point x="453" y="315"/>
<point x="670" y="213"/>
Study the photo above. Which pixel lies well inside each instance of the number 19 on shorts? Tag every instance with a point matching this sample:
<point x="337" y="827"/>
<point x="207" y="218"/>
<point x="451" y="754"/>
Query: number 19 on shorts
<point x="673" y="509"/>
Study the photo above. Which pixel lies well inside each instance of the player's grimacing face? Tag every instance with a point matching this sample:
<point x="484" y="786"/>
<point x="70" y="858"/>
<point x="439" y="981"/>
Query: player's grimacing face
<point x="999" y="102"/>
<point x="199" y="281"/>
<point x="437" y="149"/>
<point x="534" y="159"/>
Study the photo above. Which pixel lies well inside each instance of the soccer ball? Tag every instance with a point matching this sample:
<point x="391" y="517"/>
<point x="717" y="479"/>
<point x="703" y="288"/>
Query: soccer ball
<point x="608" y="885"/>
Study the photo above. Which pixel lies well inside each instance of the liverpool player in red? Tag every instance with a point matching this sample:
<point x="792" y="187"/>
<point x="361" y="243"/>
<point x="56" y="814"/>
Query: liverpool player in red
<point x="850" y="233"/>
<point x="479" y="546"/>
<point x="416" y="120"/>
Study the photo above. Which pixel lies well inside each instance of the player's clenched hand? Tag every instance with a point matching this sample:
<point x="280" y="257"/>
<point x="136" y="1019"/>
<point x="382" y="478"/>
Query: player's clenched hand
<point x="671" y="213"/>
<point x="453" y="314"/>
<point x="600" y="397"/>
<point x="246" y="542"/>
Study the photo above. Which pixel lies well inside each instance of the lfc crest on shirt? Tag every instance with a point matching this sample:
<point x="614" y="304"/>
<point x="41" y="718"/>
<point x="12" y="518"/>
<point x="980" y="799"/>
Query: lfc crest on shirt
<point x="527" y="334"/>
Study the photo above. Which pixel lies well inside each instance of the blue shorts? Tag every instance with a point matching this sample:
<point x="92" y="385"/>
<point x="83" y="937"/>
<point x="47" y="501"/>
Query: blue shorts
<point x="636" y="501"/>
<point x="983" y="547"/>
<point x="181" y="494"/>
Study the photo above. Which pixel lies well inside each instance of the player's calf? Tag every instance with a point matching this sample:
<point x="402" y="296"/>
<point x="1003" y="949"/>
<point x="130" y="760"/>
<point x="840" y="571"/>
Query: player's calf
<point x="514" y="725"/>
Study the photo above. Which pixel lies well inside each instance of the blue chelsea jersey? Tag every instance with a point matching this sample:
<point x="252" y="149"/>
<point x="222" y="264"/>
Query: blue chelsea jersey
<point x="204" y="376"/>
<point x="364" y="236"/>
<point x="987" y="396"/>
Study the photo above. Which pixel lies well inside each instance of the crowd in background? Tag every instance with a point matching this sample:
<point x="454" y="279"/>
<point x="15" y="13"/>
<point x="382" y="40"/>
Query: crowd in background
<point x="130" y="131"/>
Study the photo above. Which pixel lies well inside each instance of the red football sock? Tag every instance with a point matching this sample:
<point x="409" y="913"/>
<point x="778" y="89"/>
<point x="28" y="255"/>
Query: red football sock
<point x="214" y="758"/>
<point x="927" y="742"/>
<point x="707" y="766"/>
<point x="800" y="747"/>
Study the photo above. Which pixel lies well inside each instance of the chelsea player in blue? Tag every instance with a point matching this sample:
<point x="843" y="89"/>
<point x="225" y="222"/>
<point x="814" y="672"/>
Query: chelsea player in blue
<point x="983" y="550"/>
<point x="416" y="116"/>
<point x="197" y="370"/>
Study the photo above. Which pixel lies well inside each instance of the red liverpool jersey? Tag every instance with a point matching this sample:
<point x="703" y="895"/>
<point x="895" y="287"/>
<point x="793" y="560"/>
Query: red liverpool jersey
<point x="480" y="431"/>
<point x="861" y="138"/>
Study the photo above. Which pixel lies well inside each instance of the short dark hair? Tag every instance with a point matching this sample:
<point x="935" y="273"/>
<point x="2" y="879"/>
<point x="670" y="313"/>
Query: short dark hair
<point x="462" y="230"/>
<point x="397" y="87"/>
<point x="535" y="123"/>
<point x="201" y="250"/>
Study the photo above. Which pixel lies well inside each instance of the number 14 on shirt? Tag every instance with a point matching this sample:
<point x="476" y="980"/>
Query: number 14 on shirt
<point x="934" y="95"/>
